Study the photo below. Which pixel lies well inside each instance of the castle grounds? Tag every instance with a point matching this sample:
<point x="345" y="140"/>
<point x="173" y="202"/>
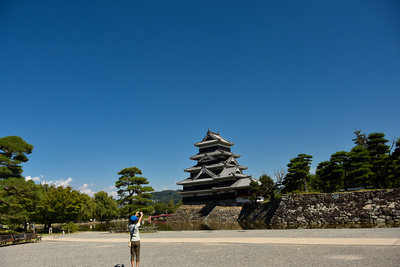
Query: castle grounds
<point x="300" y="247"/>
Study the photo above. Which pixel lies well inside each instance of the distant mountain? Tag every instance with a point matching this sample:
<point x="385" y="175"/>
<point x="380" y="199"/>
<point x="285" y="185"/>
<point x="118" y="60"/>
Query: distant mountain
<point x="165" y="196"/>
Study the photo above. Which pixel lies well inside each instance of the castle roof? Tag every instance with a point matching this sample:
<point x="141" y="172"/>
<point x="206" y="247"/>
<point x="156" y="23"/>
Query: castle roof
<point x="215" y="153"/>
<point x="212" y="138"/>
<point x="227" y="173"/>
<point x="239" y="184"/>
<point x="230" y="162"/>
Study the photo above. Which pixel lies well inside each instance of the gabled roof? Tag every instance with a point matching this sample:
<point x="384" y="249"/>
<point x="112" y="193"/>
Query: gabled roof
<point x="215" y="166"/>
<point x="212" y="166"/>
<point x="212" y="138"/>
<point x="232" y="161"/>
<point x="205" y="170"/>
<point x="228" y="172"/>
<point x="189" y="181"/>
<point x="241" y="183"/>
<point x="215" y="153"/>
<point x="206" y="158"/>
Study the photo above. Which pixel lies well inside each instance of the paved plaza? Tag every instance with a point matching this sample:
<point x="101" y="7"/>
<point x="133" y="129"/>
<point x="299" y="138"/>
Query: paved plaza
<point x="301" y="247"/>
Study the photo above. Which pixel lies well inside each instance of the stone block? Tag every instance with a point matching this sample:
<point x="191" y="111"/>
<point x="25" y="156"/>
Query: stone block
<point x="387" y="212"/>
<point x="368" y="207"/>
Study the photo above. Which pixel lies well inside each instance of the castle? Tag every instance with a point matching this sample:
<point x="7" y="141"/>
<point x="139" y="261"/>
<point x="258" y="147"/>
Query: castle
<point x="217" y="177"/>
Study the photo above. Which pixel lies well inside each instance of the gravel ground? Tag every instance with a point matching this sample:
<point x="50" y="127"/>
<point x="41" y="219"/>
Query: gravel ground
<point x="104" y="249"/>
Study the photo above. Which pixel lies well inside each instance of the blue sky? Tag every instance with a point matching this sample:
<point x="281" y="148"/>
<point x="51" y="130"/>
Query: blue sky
<point x="97" y="86"/>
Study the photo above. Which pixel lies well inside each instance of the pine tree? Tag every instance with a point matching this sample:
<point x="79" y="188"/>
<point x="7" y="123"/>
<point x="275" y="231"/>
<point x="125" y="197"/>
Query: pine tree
<point x="298" y="173"/>
<point x="134" y="195"/>
<point x="360" y="168"/>
<point x="394" y="171"/>
<point x="13" y="151"/>
<point x="379" y="153"/>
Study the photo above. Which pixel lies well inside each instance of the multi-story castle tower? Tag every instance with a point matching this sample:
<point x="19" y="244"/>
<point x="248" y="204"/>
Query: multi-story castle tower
<point x="217" y="177"/>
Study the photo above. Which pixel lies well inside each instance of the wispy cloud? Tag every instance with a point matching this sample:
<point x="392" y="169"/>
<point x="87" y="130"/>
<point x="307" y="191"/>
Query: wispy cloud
<point x="86" y="190"/>
<point x="60" y="182"/>
<point x="35" y="179"/>
<point x="111" y="191"/>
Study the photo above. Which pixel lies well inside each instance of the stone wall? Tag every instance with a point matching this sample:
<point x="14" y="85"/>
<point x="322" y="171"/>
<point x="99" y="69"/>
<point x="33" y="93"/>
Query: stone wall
<point x="206" y="213"/>
<point x="371" y="207"/>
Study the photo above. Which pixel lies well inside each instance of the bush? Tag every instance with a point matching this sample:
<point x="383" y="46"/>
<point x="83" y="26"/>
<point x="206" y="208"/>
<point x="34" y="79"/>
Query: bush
<point x="71" y="227"/>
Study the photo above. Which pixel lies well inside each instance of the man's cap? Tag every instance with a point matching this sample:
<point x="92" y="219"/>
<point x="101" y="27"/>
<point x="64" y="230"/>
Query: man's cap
<point x="134" y="218"/>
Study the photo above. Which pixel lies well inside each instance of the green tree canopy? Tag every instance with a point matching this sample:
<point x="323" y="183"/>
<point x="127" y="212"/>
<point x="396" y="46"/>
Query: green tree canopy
<point x="361" y="139"/>
<point x="105" y="206"/>
<point x="133" y="192"/>
<point x="160" y="208"/>
<point x="87" y="210"/>
<point x="325" y="180"/>
<point x="59" y="205"/>
<point x="255" y="191"/>
<point x="297" y="174"/>
<point x="18" y="200"/>
<point x="394" y="170"/>
<point x="360" y="167"/>
<point x="369" y="164"/>
<point x="333" y="174"/>
<point x="379" y="153"/>
<point x="165" y="196"/>
<point x="13" y="151"/>
<point x="265" y="187"/>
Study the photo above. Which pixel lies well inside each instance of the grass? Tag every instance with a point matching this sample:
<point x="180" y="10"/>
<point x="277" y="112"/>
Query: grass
<point x="7" y="232"/>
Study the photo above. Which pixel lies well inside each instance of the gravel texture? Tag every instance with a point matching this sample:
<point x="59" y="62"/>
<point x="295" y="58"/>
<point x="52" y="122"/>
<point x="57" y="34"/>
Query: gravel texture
<point x="104" y="249"/>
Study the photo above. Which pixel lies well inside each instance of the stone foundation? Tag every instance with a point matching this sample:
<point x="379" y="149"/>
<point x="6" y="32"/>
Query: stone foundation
<point x="206" y="213"/>
<point x="370" y="207"/>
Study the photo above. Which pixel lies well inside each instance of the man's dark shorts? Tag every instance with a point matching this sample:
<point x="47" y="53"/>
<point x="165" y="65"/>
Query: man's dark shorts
<point x="135" y="250"/>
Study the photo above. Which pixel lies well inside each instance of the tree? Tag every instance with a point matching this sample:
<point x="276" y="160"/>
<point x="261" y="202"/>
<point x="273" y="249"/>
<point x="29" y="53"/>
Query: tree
<point x="134" y="196"/>
<point x="324" y="179"/>
<point x="340" y="169"/>
<point x="279" y="175"/>
<point x="59" y="205"/>
<point x="165" y="196"/>
<point x="332" y="174"/>
<point x="361" y="139"/>
<point x="265" y="187"/>
<point x="298" y="173"/>
<point x="105" y="206"/>
<point x="87" y="210"/>
<point x="255" y="191"/>
<point x="379" y="153"/>
<point x="360" y="168"/>
<point x="268" y="187"/>
<point x="160" y="208"/>
<point x="394" y="174"/>
<point x="171" y="207"/>
<point x="18" y="199"/>
<point x="13" y="151"/>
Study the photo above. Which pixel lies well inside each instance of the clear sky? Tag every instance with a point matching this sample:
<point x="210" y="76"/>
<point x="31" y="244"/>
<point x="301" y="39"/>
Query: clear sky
<point x="98" y="86"/>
